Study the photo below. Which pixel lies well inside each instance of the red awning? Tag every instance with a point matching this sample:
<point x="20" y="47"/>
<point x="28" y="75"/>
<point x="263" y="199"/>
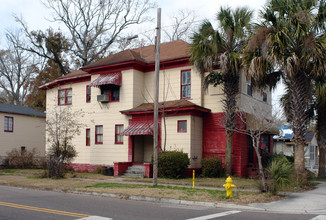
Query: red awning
<point x="139" y="128"/>
<point x="108" y="78"/>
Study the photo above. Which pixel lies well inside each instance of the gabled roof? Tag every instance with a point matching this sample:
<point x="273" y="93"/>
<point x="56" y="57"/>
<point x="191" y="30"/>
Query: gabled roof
<point x="21" y="110"/>
<point x="181" y="104"/>
<point x="168" y="51"/>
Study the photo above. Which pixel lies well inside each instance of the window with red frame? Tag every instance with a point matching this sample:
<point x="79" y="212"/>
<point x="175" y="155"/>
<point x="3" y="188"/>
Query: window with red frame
<point x="88" y="137"/>
<point x="118" y="137"/>
<point x="185" y="84"/>
<point x="88" y="93"/>
<point x="113" y="91"/>
<point x="182" y="126"/>
<point x="99" y="134"/>
<point x="9" y="124"/>
<point x="65" y="96"/>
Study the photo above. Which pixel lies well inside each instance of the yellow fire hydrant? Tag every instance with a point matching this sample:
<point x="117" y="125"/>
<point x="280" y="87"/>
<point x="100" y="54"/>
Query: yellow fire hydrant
<point x="228" y="186"/>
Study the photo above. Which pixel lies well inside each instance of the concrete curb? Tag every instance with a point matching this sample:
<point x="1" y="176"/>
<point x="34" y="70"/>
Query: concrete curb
<point x="172" y="201"/>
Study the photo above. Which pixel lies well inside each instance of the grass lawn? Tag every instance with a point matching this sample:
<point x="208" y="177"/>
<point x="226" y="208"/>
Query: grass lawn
<point x="177" y="189"/>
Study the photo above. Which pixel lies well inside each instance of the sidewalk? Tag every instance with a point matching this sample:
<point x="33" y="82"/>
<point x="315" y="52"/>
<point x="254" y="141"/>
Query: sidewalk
<point x="310" y="202"/>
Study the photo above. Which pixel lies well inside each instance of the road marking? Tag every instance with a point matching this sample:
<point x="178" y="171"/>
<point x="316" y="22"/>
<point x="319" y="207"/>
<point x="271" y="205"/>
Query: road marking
<point x="217" y="215"/>
<point x="57" y="212"/>
<point x="94" y="217"/>
<point x="319" y="217"/>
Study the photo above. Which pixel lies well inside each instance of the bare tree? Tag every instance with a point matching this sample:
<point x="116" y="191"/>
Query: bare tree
<point x="182" y="26"/>
<point x="50" y="45"/>
<point x="258" y="122"/>
<point x="17" y="68"/>
<point x="94" y="26"/>
<point x="62" y="125"/>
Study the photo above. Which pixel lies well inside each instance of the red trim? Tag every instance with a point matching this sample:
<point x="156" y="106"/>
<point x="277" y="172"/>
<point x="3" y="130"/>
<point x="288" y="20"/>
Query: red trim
<point x="66" y="96"/>
<point x="8" y="123"/>
<point x="88" y="94"/>
<point x="96" y="134"/>
<point x="116" y="134"/>
<point x="181" y="85"/>
<point x="182" y="131"/>
<point x="190" y="110"/>
<point x="66" y="80"/>
<point x="88" y="137"/>
<point x="137" y="65"/>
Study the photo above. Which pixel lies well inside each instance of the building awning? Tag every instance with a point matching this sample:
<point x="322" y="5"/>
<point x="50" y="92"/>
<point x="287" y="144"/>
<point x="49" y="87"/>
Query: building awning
<point x="108" y="78"/>
<point x="139" y="128"/>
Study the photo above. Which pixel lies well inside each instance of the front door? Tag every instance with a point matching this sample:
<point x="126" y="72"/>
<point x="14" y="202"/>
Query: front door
<point x="143" y="148"/>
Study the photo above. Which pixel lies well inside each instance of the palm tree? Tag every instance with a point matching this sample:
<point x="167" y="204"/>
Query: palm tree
<point x="222" y="47"/>
<point x="290" y="45"/>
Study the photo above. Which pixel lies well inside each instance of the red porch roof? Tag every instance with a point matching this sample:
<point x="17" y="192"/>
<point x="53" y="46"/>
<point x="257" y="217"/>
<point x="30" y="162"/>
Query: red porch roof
<point x="108" y="78"/>
<point x="139" y="128"/>
<point x="175" y="105"/>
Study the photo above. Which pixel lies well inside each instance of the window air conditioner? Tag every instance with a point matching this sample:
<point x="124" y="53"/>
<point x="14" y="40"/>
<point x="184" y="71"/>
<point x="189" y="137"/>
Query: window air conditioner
<point x="103" y="98"/>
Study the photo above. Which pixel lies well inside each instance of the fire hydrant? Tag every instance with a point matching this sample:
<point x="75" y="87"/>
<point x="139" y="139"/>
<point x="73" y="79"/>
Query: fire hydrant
<point x="228" y="186"/>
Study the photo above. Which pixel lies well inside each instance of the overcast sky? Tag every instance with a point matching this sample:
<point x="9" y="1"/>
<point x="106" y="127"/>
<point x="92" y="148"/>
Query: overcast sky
<point x="35" y="14"/>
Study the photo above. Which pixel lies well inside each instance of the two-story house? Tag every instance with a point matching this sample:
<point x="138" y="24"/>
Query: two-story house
<point x="22" y="128"/>
<point x="117" y="94"/>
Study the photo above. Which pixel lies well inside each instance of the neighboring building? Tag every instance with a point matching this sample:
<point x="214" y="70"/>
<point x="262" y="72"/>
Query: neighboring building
<point x="283" y="144"/>
<point x="22" y="128"/>
<point x="117" y="95"/>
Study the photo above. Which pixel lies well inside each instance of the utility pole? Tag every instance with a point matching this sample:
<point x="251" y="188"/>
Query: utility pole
<point x="156" y="96"/>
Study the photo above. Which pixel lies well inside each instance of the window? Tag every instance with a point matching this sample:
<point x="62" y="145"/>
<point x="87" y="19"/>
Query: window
<point x="185" y="84"/>
<point x="249" y="89"/>
<point x="113" y="91"/>
<point x="118" y="137"/>
<point x="88" y="137"/>
<point x="182" y="126"/>
<point x="9" y="124"/>
<point x="264" y="96"/>
<point x="65" y="96"/>
<point x="312" y="152"/>
<point x="88" y="93"/>
<point x="99" y="134"/>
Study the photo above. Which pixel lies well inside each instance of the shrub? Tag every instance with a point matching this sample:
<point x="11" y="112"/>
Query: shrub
<point x="280" y="172"/>
<point x="212" y="167"/>
<point x="24" y="159"/>
<point x="172" y="164"/>
<point x="101" y="170"/>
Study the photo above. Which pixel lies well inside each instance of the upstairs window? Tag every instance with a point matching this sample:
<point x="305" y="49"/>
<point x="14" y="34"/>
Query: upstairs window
<point x="9" y="124"/>
<point x="99" y="134"/>
<point x="249" y="89"/>
<point x="182" y="126"/>
<point x="185" y="84"/>
<point x="264" y="96"/>
<point x="88" y="93"/>
<point x="112" y="91"/>
<point x="118" y="137"/>
<point x="65" y="96"/>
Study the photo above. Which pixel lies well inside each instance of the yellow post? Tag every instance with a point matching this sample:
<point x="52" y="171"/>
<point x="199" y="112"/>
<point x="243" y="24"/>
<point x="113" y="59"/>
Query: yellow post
<point x="193" y="179"/>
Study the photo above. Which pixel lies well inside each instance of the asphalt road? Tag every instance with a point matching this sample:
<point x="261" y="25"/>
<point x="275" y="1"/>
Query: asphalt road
<point x="18" y="203"/>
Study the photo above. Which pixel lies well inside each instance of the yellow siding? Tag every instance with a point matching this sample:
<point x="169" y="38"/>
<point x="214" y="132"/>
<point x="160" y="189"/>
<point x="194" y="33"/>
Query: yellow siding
<point x="189" y="142"/>
<point x="170" y="85"/>
<point x="28" y="131"/>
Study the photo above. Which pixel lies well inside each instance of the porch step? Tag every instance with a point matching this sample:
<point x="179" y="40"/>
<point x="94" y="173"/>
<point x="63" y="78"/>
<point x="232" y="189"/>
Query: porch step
<point x="135" y="171"/>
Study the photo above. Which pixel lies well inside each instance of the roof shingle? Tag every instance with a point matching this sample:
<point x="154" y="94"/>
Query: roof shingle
<point x="168" y="51"/>
<point x="21" y="110"/>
